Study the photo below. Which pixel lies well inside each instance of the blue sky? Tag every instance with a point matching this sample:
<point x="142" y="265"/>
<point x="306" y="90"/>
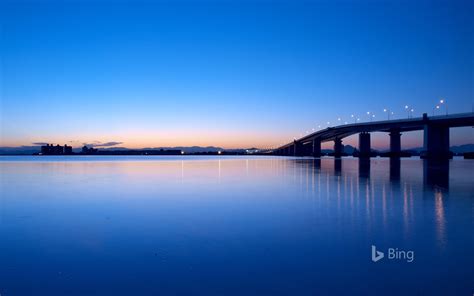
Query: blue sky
<point x="226" y="73"/>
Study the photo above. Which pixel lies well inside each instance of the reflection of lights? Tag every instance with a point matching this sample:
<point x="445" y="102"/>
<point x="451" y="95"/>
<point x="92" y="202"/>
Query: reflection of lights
<point x="440" y="217"/>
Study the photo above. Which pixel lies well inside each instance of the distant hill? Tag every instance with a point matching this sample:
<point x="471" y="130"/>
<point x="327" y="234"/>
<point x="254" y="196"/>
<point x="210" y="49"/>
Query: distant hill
<point x="455" y="149"/>
<point x="347" y="149"/>
<point x="462" y="148"/>
<point x="191" y="149"/>
<point x="22" y="150"/>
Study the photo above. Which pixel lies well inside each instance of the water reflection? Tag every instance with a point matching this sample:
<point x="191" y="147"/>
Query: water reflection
<point x="337" y="166"/>
<point x="436" y="173"/>
<point x="364" y="167"/>
<point x="281" y="219"/>
<point x="381" y="195"/>
<point x="440" y="218"/>
<point x="395" y="163"/>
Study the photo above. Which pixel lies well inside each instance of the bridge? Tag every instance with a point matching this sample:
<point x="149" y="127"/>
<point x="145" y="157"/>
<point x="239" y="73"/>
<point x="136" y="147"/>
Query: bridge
<point x="436" y="136"/>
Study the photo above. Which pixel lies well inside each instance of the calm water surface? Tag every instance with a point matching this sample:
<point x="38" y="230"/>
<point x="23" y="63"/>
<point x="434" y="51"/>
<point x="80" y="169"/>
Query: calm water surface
<point x="234" y="226"/>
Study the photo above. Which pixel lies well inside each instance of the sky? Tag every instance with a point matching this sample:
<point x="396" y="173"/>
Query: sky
<point x="234" y="74"/>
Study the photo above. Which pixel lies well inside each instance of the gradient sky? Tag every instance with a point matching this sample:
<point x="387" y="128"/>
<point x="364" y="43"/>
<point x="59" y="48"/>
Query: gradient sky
<point x="226" y="73"/>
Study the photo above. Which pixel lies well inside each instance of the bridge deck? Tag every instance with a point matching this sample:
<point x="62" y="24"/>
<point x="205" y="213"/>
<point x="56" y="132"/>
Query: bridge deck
<point x="402" y="125"/>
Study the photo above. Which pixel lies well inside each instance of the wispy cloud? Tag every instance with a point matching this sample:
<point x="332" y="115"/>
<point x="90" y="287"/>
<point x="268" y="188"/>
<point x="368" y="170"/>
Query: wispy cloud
<point x="40" y="143"/>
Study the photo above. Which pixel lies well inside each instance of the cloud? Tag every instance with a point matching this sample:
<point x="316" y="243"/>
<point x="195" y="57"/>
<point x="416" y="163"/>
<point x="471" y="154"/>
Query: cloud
<point x="99" y="144"/>
<point x="40" y="144"/>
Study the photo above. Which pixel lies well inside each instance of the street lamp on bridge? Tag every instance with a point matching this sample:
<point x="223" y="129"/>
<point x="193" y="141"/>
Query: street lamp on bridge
<point x="409" y="111"/>
<point x="388" y="113"/>
<point x="443" y="102"/>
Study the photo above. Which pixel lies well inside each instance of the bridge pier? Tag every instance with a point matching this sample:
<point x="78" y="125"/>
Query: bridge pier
<point x="395" y="143"/>
<point x="316" y="148"/>
<point x="307" y="149"/>
<point x="436" y="142"/>
<point x="338" y="147"/>
<point x="297" y="148"/>
<point x="364" y="144"/>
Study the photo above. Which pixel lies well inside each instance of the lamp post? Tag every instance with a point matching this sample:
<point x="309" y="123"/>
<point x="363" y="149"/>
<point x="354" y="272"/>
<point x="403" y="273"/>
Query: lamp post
<point x="368" y="114"/>
<point x="434" y="109"/>
<point x="443" y="102"/>
<point x="388" y="113"/>
<point x="408" y="111"/>
<point x="352" y="116"/>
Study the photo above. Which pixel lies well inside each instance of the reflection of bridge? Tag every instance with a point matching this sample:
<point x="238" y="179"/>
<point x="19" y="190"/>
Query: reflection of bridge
<point x="436" y="136"/>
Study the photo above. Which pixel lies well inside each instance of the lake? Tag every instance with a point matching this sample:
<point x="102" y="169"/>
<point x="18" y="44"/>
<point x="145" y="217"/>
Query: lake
<point x="225" y="225"/>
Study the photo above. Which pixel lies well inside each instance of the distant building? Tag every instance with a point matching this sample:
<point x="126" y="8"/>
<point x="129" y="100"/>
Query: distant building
<point x="87" y="150"/>
<point x="50" y="149"/>
<point x="67" y="149"/>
